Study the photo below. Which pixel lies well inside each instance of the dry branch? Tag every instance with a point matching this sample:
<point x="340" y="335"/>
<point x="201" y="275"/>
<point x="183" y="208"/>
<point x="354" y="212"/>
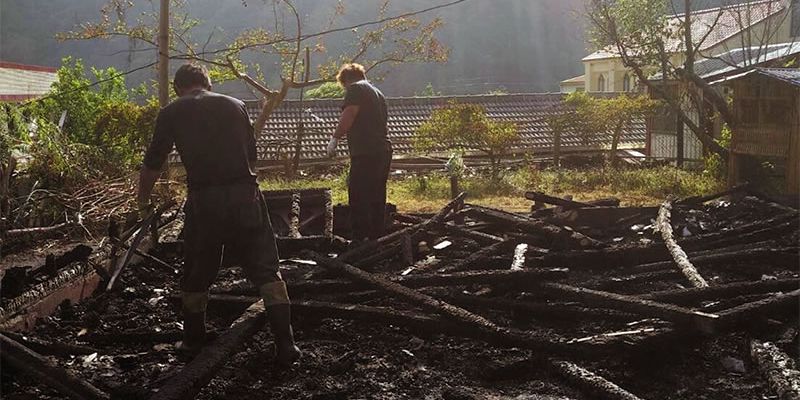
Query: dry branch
<point x="665" y="227"/>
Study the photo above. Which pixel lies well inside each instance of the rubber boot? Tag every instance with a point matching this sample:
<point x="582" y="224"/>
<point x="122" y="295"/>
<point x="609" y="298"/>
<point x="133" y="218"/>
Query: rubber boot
<point x="280" y="322"/>
<point x="194" y="333"/>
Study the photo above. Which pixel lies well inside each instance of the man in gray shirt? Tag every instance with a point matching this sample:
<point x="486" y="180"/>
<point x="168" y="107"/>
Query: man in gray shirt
<point x="364" y="122"/>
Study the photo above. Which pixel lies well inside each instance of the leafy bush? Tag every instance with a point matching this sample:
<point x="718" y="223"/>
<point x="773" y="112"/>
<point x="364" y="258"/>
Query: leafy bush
<point x="466" y="126"/>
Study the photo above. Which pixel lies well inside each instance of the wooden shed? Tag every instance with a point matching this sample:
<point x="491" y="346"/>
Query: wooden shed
<point x="765" y="140"/>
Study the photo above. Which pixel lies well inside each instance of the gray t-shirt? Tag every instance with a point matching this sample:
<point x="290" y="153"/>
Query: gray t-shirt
<point x="368" y="135"/>
<point x="214" y="138"/>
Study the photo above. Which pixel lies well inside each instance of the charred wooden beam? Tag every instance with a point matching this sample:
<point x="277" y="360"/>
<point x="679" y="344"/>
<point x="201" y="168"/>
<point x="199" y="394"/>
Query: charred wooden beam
<point x="704" y="322"/>
<point x="693" y="295"/>
<point x="372" y="245"/>
<point x="694" y="200"/>
<point x="559" y="236"/>
<point x="556" y="201"/>
<point x="778" y="368"/>
<point x="543" y="310"/>
<point x="748" y="233"/>
<point x="479" y="325"/>
<point x="49" y="348"/>
<point x="591" y="383"/>
<point x="479" y="256"/>
<point x="199" y="372"/>
<point x="664" y="226"/>
<point x="457" y="230"/>
<point x="742" y="314"/>
<point x="626" y="281"/>
<point x="39" y="367"/>
<point x="738" y="255"/>
<point x="294" y="216"/>
<point x="524" y="278"/>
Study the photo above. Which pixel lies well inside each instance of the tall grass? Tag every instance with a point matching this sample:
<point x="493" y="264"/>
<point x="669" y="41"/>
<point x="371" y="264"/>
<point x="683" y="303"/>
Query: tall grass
<point x="428" y="191"/>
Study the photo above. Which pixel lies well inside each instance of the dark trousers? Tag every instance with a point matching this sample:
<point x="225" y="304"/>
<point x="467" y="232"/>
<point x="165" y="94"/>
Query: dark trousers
<point x="366" y="189"/>
<point x="230" y="220"/>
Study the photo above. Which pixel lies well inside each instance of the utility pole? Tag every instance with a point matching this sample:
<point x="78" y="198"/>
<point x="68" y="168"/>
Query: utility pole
<point x="163" y="54"/>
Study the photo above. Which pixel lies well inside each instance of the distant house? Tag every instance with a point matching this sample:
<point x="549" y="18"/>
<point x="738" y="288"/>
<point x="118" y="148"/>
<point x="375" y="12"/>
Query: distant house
<point x="766" y="106"/>
<point x="528" y="111"/>
<point x="21" y="82"/>
<point x="717" y="30"/>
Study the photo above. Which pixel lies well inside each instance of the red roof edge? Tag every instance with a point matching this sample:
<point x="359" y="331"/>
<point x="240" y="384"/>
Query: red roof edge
<point x="13" y="98"/>
<point x="27" y="67"/>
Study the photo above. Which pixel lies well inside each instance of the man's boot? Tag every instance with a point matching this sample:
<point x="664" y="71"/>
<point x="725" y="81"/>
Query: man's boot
<point x="194" y="322"/>
<point x="194" y="333"/>
<point x="279" y="314"/>
<point x="280" y="322"/>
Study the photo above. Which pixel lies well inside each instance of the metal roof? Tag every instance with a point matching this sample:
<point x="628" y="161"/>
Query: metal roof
<point x="712" y="26"/>
<point x="788" y="75"/>
<point x="528" y="111"/>
<point x="20" y="82"/>
<point x="740" y="60"/>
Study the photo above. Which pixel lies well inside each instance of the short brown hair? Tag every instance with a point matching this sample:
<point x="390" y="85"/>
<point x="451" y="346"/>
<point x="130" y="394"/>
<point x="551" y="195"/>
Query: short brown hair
<point x="351" y="73"/>
<point x="190" y="74"/>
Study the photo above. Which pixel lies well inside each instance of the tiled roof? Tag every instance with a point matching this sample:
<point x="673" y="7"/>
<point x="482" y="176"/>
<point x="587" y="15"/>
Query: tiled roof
<point x="528" y="111"/>
<point x="737" y="60"/>
<point x="20" y="82"/>
<point x="712" y="26"/>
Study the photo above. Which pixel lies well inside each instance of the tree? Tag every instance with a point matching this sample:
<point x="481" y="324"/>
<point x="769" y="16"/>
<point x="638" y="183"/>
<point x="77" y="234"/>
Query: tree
<point x="382" y="42"/>
<point x="327" y="90"/>
<point x="466" y="126"/>
<point x="428" y="91"/>
<point x="600" y="117"/>
<point x="648" y="42"/>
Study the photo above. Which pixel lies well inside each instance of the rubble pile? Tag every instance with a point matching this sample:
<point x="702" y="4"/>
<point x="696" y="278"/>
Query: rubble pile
<point x="695" y="299"/>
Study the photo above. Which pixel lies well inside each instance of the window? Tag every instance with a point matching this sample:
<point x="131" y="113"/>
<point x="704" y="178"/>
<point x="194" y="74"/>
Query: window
<point x="601" y="83"/>
<point x="626" y="83"/>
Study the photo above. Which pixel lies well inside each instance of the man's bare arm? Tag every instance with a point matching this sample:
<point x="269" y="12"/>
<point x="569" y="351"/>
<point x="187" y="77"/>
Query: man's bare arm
<point x="346" y="121"/>
<point x="147" y="180"/>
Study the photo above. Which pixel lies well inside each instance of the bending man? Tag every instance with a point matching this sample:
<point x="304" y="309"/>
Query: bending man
<point x="224" y="208"/>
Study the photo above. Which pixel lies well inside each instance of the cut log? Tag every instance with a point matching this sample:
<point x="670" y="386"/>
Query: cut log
<point x="40" y="368"/>
<point x="745" y="313"/>
<point x="560" y="237"/>
<point x="703" y="322"/>
<point x="372" y="245"/>
<point x="664" y="226"/>
<point x="694" y="295"/>
<point x="199" y="372"/>
<point x="778" y="368"/>
<point x="591" y="383"/>
<point x="479" y="325"/>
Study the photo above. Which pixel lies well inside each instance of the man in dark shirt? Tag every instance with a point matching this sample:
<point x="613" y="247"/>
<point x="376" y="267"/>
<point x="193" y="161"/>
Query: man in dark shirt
<point x="364" y="121"/>
<point x="225" y="212"/>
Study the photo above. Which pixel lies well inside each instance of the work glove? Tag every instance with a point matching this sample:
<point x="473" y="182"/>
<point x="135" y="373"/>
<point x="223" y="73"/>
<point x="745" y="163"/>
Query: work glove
<point x="332" y="147"/>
